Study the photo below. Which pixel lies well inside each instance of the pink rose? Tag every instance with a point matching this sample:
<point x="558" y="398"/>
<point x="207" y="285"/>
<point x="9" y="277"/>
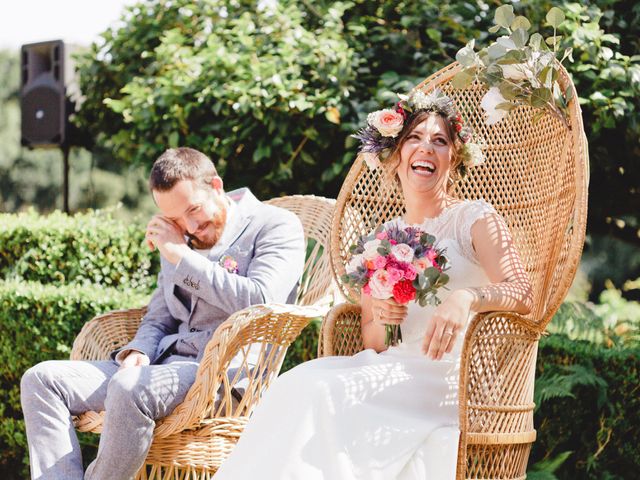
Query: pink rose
<point x="382" y="235"/>
<point x="381" y="285"/>
<point x="366" y="290"/>
<point x="379" y="262"/>
<point x="395" y="274"/>
<point x="403" y="252"/>
<point x="421" y="264"/>
<point x="410" y="272"/>
<point x="388" y="122"/>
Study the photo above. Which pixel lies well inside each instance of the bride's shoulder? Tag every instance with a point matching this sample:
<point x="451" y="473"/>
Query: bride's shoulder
<point x="472" y="210"/>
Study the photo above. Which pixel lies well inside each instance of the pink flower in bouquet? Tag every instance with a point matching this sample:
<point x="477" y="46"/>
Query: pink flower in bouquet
<point x="403" y="252"/>
<point x="410" y="272"/>
<point x="395" y="274"/>
<point x="366" y="290"/>
<point x="381" y="284"/>
<point x="371" y="249"/>
<point x="382" y="235"/>
<point x="421" y="264"/>
<point x="404" y="291"/>
<point x="432" y="254"/>
<point x="379" y="262"/>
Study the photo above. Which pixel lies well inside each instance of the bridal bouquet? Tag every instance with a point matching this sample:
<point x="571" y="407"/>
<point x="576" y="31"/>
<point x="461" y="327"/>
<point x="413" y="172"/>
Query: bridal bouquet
<point x="397" y="263"/>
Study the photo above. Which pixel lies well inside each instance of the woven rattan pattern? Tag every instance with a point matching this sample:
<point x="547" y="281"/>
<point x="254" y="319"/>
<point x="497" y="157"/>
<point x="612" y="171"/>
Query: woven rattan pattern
<point x="193" y="441"/>
<point x="536" y="176"/>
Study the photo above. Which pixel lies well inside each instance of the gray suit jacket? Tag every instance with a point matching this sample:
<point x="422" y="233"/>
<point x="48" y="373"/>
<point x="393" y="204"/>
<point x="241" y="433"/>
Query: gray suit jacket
<point x="195" y="296"/>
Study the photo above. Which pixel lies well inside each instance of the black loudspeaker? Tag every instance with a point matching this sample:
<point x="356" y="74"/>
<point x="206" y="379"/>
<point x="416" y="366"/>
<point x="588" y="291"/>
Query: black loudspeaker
<point x="46" y="73"/>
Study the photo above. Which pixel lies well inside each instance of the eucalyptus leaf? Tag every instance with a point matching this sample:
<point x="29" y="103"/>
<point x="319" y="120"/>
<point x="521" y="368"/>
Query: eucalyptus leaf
<point x="555" y="17"/>
<point x="520" y="37"/>
<point x="535" y="40"/>
<point x="507" y="106"/>
<point x="462" y="79"/>
<point x="509" y="91"/>
<point x="521" y="22"/>
<point x="513" y="56"/>
<point x="568" y="95"/>
<point x="568" y="53"/>
<point x="466" y="56"/>
<point x="545" y="76"/>
<point x="540" y="97"/>
<point x="504" y="16"/>
<point x="496" y="51"/>
<point x="553" y="39"/>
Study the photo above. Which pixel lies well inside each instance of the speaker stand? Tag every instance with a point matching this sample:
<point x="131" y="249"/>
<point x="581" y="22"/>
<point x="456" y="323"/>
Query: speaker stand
<point x="65" y="177"/>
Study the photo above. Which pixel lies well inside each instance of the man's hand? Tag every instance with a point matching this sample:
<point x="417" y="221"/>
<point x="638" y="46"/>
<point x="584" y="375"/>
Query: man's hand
<point x="166" y="236"/>
<point x="134" y="359"/>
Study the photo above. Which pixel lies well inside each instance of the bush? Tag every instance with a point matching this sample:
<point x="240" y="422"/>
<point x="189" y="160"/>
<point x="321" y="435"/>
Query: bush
<point x="588" y="409"/>
<point x="304" y="348"/>
<point x="39" y="322"/>
<point x="86" y="248"/>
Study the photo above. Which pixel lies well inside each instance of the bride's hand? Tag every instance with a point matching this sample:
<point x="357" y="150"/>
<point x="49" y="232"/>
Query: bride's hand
<point x="387" y="312"/>
<point x="447" y="322"/>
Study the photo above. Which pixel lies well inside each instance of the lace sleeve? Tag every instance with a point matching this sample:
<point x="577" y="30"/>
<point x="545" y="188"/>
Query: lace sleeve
<point x="469" y="215"/>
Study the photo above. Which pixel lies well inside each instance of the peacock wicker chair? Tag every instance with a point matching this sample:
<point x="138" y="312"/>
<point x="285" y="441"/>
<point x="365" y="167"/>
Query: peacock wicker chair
<point x="536" y="176"/>
<point x="193" y="441"/>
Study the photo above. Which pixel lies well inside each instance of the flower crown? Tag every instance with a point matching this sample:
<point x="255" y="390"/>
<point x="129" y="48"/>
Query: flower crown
<point x="379" y="138"/>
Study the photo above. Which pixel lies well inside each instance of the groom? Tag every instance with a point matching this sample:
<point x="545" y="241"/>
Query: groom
<point x="219" y="254"/>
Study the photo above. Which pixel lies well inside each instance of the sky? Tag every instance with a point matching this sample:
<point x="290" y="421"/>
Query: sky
<point x="74" y="21"/>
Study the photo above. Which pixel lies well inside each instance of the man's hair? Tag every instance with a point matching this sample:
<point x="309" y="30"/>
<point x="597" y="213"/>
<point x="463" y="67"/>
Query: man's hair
<point x="178" y="164"/>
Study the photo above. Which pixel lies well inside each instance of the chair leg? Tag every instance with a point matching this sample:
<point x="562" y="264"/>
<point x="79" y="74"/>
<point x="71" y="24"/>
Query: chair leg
<point x="173" y="472"/>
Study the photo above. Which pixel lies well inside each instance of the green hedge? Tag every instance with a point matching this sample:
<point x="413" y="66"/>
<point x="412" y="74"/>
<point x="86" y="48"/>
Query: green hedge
<point x="37" y="323"/>
<point x="85" y="248"/>
<point x="590" y="407"/>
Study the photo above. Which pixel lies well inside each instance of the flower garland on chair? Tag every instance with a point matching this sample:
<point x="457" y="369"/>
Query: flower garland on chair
<point x="379" y="138"/>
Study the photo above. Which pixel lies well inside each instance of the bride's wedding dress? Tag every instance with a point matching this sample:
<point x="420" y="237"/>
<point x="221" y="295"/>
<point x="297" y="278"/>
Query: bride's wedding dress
<point x="392" y="415"/>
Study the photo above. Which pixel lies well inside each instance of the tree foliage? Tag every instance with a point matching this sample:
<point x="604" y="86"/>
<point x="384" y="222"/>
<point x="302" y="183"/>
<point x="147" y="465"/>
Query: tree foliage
<point x="272" y="94"/>
<point x="255" y="89"/>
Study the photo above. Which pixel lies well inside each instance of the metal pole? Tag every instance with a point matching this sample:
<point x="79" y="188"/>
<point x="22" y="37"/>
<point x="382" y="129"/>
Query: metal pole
<point x="65" y="178"/>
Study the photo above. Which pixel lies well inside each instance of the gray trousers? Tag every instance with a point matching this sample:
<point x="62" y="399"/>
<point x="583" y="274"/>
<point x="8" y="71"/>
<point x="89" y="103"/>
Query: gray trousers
<point x="133" y="398"/>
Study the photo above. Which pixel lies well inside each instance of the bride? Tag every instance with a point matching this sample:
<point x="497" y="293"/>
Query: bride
<point x="392" y="412"/>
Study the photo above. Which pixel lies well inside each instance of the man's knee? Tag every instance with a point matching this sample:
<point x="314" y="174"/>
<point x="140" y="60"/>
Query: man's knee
<point x="128" y="389"/>
<point x="37" y="377"/>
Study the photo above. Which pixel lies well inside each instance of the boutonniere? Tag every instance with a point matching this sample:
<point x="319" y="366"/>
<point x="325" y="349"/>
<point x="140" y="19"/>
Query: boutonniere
<point x="229" y="263"/>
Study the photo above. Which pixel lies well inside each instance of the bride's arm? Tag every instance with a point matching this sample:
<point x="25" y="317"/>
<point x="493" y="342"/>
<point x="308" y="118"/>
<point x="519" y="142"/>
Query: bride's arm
<point x="375" y="314"/>
<point x="510" y="289"/>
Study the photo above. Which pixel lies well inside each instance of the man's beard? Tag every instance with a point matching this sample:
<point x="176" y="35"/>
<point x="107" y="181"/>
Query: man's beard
<point x="218" y="221"/>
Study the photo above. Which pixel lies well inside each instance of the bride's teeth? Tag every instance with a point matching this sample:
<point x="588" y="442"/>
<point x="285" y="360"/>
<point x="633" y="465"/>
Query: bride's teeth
<point x="427" y="165"/>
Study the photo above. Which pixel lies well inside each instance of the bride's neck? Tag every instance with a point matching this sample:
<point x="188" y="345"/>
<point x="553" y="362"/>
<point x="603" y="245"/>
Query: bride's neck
<point x="419" y="207"/>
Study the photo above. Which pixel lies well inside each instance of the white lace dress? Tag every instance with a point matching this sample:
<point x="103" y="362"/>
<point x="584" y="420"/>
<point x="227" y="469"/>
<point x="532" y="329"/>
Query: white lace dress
<point x="392" y="415"/>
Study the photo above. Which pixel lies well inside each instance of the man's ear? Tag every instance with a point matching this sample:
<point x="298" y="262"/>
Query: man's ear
<point x="217" y="184"/>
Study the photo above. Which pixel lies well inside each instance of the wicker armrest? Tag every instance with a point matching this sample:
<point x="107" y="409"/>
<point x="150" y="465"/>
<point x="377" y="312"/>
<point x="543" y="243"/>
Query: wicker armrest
<point x="105" y="333"/>
<point x="340" y="333"/>
<point x="270" y="329"/>
<point x="496" y="379"/>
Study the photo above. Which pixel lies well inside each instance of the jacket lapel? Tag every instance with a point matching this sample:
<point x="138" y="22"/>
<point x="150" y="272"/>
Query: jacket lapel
<point x="238" y="218"/>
